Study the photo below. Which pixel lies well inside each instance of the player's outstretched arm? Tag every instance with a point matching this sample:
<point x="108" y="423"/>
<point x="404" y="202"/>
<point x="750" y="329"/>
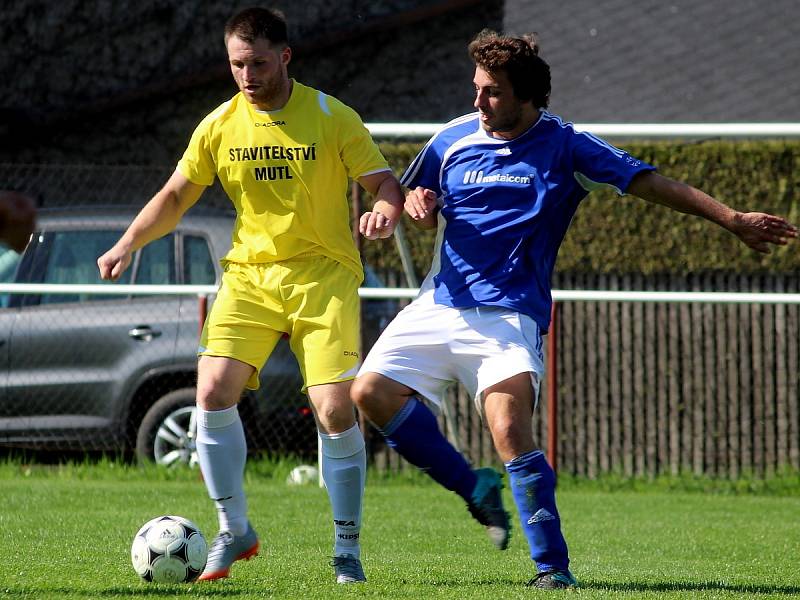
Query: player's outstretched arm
<point x="380" y="222"/>
<point x="158" y="217"/>
<point x="755" y="229"/>
<point x="421" y="206"/>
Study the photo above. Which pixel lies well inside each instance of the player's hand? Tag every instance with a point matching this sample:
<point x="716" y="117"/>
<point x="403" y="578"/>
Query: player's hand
<point x="17" y="219"/>
<point x="759" y="230"/>
<point x="374" y="225"/>
<point x="420" y="202"/>
<point x="113" y="263"/>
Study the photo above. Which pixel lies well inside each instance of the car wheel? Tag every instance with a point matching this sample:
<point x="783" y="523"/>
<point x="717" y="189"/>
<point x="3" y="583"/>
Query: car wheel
<point x="168" y="431"/>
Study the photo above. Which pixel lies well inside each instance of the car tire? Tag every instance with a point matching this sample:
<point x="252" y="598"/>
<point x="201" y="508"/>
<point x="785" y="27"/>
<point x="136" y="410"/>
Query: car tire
<point x="168" y="430"/>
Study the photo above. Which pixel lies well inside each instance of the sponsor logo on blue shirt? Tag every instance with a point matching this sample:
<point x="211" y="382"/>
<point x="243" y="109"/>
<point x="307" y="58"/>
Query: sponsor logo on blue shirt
<point x="478" y="177"/>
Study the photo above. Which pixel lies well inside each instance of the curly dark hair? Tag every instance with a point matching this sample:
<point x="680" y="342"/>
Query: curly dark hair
<point x="253" y="23"/>
<point x="519" y="58"/>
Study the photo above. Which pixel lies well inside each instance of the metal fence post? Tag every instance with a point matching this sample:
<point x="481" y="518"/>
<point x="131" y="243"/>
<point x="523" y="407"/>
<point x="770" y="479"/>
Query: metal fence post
<point x="552" y="389"/>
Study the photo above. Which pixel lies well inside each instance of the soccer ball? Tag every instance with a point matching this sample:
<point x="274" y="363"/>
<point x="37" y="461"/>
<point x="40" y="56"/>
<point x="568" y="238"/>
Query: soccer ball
<point x="302" y="475"/>
<point x="169" y="550"/>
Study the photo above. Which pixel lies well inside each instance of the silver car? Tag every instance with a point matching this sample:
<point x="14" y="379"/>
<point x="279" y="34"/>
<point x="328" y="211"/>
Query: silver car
<point x="117" y="373"/>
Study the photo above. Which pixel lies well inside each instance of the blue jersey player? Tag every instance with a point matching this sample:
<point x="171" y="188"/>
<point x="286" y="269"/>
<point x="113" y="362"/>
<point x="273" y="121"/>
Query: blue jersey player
<point x="502" y="185"/>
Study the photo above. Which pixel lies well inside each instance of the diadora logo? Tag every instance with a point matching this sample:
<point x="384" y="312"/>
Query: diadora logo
<point x="479" y="177"/>
<point x="350" y="353"/>
<point x="344" y="523"/>
<point x="504" y="151"/>
<point x="270" y="124"/>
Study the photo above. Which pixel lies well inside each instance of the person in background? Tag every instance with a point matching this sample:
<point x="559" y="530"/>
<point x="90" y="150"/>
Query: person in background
<point x="17" y="219"/>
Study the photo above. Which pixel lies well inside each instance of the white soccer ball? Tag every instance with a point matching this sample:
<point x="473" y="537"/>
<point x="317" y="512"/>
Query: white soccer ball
<point x="302" y="475"/>
<point x="169" y="549"/>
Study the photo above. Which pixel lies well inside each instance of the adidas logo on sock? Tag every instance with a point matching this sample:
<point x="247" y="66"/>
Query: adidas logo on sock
<point x="541" y="515"/>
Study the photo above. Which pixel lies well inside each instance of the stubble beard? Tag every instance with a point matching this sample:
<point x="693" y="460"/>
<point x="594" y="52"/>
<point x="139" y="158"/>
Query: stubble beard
<point x="267" y="94"/>
<point x="503" y="124"/>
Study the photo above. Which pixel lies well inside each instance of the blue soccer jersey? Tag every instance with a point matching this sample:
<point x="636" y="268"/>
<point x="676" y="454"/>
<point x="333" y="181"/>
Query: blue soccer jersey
<point x="506" y="206"/>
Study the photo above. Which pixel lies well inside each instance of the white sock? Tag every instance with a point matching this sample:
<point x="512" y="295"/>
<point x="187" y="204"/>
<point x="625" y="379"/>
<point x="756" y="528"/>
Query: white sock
<point x="222" y="452"/>
<point x="344" y="470"/>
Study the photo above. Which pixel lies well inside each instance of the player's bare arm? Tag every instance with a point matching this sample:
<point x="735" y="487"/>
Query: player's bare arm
<point x="380" y="222"/>
<point x="158" y="217"/>
<point x="421" y="206"/>
<point x="755" y="229"/>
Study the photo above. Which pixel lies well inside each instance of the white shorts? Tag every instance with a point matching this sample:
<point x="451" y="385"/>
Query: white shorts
<point x="428" y="346"/>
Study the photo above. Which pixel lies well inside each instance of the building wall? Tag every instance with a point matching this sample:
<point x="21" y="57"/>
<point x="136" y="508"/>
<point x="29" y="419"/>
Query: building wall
<point x="618" y="61"/>
<point x="98" y="81"/>
<point x="101" y="81"/>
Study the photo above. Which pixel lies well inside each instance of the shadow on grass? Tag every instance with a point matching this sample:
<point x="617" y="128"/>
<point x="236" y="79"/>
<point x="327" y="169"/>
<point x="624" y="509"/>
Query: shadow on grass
<point x="207" y="591"/>
<point x="632" y="586"/>
<point x="690" y="586"/>
<point x="124" y="591"/>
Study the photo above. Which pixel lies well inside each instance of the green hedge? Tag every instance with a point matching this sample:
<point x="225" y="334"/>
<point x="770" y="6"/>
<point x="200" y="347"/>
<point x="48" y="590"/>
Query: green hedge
<point x="612" y="234"/>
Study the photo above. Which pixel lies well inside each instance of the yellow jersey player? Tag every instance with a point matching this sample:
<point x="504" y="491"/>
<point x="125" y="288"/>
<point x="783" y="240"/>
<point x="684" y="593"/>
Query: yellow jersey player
<point x="283" y="152"/>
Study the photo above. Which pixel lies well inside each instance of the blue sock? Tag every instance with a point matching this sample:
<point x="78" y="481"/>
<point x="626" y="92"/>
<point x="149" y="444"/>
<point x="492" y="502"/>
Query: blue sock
<point x="533" y="486"/>
<point x="414" y="433"/>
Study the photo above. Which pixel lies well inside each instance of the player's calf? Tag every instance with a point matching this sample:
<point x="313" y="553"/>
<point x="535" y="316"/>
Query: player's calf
<point x="532" y="483"/>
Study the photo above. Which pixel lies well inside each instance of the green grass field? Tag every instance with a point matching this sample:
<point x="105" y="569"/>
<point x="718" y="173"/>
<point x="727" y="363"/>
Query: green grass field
<point x="65" y="533"/>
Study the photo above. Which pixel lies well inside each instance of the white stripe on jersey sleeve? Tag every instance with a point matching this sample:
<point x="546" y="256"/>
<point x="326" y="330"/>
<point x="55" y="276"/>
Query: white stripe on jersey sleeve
<point x="413" y="168"/>
<point x="600" y="142"/>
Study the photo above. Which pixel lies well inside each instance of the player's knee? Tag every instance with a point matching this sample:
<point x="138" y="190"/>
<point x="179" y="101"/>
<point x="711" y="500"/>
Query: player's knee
<point x="378" y="401"/>
<point x="503" y="428"/>
<point x="334" y="415"/>
<point x="365" y="393"/>
<point x="212" y="395"/>
<point x="511" y="438"/>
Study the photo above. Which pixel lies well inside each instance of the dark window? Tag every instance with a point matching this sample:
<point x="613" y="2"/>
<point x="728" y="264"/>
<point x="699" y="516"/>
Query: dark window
<point x="72" y="258"/>
<point x="157" y="262"/>
<point x="198" y="265"/>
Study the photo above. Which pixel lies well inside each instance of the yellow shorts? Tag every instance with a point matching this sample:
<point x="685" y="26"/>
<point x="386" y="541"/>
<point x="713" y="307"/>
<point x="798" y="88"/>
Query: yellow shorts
<point x="313" y="299"/>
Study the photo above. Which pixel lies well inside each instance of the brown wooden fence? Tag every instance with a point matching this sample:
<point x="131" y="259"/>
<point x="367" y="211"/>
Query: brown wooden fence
<point x="650" y="388"/>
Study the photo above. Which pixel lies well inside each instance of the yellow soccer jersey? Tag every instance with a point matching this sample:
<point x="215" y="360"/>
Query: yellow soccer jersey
<point x="286" y="172"/>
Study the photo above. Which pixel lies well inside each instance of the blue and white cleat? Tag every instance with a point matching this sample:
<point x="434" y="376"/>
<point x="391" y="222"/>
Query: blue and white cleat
<point x="227" y="549"/>
<point x="486" y="506"/>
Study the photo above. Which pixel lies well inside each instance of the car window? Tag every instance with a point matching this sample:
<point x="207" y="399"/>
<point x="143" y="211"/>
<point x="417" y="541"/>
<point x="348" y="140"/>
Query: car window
<point x="72" y="258"/>
<point x="198" y="265"/>
<point x="156" y="264"/>
<point x="9" y="260"/>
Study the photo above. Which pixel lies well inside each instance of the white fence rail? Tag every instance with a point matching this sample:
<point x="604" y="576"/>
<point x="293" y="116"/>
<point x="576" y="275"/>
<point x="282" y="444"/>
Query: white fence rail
<point x="640" y="130"/>
<point x="406" y="293"/>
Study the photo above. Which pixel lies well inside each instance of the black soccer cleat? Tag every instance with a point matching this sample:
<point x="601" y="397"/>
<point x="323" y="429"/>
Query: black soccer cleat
<point x="553" y="580"/>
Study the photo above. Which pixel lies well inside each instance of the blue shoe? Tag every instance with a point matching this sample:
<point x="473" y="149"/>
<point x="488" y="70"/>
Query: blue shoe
<point x="486" y="506"/>
<point x="554" y="580"/>
<point x="226" y="549"/>
<point x="347" y="569"/>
